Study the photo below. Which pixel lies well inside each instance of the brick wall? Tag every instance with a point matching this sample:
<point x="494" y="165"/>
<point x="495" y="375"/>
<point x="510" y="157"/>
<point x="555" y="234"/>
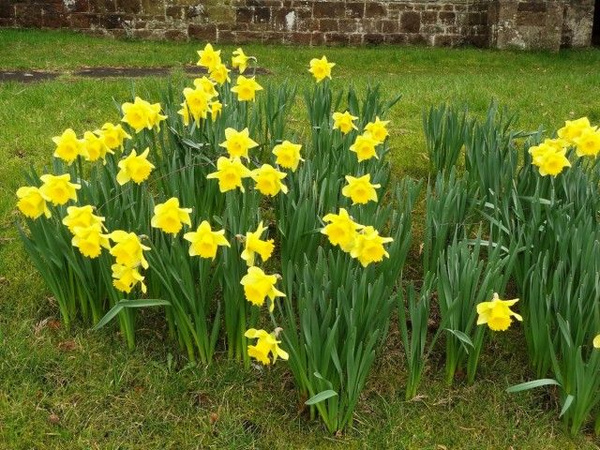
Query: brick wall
<point x="500" y="23"/>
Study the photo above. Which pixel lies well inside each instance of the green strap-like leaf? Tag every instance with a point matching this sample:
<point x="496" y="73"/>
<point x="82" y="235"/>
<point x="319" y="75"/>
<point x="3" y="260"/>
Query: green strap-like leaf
<point x="567" y="405"/>
<point x="463" y="338"/>
<point x="532" y="385"/>
<point x="124" y="303"/>
<point x="321" y="396"/>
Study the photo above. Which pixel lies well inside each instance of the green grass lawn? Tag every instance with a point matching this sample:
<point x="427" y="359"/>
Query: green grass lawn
<point x="83" y="389"/>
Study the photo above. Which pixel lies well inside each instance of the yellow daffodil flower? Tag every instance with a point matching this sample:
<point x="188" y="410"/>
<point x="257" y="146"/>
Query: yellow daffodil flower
<point x="140" y="114"/>
<point x="169" y="217"/>
<point x="81" y="216"/>
<point x="255" y="245"/>
<point x="220" y="73"/>
<point x="128" y="249"/>
<point x="368" y="247"/>
<point x="58" y="189"/>
<point x="246" y="88"/>
<point x="538" y="152"/>
<point x="266" y="345"/>
<point x="31" y="202"/>
<point x="364" y="147"/>
<point x="207" y="86"/>
<point x="288" y="155"/>
<point x="113" y="135"/>
<point x="184" y="112"/>
<point x="215" y="110"/>
<point x="344" y="122"/>
<point x="230" y="173"/>
<point x="239" y="60"/>
<point x="68" y="147"/>
<point x="134" y="168"/>
<point x="94" y="147"/>
<point x="258" y="286"/>
<point x="377" y="129"/>
<point x="205" y="242"/>
<point x="126" y="277"/>
<point x="549" y="159"/>
<point x="573" y="129"/>
<point x="90" y="240"/>
<point x="268" y="180"/>
<point x="497" y="313"/>
<point x="237" y="143"/>
<point x="197" y="101"/>
<point x="209" y="58"/>
<point x="596" y="341"/>
<point x="360" y="190"/>
<point x="341" y="230"/>
<point x="588" y="142"/>
<point x="320" y="68"/>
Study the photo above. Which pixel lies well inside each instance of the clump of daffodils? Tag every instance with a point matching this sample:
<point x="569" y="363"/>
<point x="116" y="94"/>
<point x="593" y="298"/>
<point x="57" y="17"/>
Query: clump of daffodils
<point x="87" y="230"/>
<point x="551" y="155"/>
<point x="362" y="242"/>
<point x="128" y="251"/>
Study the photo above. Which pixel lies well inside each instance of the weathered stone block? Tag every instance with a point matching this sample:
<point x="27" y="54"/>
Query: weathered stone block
<point x="389" y="26"/>
<point x="328" y="9"/>
<point x="355" y="10"/>
<point x="373" y="38"/>
<point x="262" y="15"/>
<point x="225" y="37"/>
<point x="535" y="7"/>
<point x="220" y="13"/>
<point x="103" y="6"/>
<point x="273" y="37"/>
<point x="447" y="18"/>
<point x="80" y="21"/>
<point x="243" y="15"/>
<point x="317" y="38"/>
<point x="476" y="18"/>
<point x="176" y="35"/>
<point x="410" y="22"/>
<point x="245" y="37"/>
<point x="444" y="40"/>
<point x="174" y="12"/>
<point x="129" y="6"/>
<point x="375" y="9"/>
<point x="28" y="15"/>
<point x="328" y="25"/>
<point x="110" y="21"/>
<point x="153" y="7"/>
<point x="53" y="18"/>
<point x="345" y="26"/>
<point x="297" y="38"/>
<point x="207" y="32"/>
<point x="395" y="38"/>
<point x="530" y="18"/>
<point x="429" y="17"/>
<point x="416" y="39"/>
<point x="337" y="38"/>
<point x="7" y="10"/>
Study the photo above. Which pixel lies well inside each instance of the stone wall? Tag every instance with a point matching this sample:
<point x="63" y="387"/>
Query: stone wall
<point x="497" y="23"/>
<point x="541" y="24"/>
